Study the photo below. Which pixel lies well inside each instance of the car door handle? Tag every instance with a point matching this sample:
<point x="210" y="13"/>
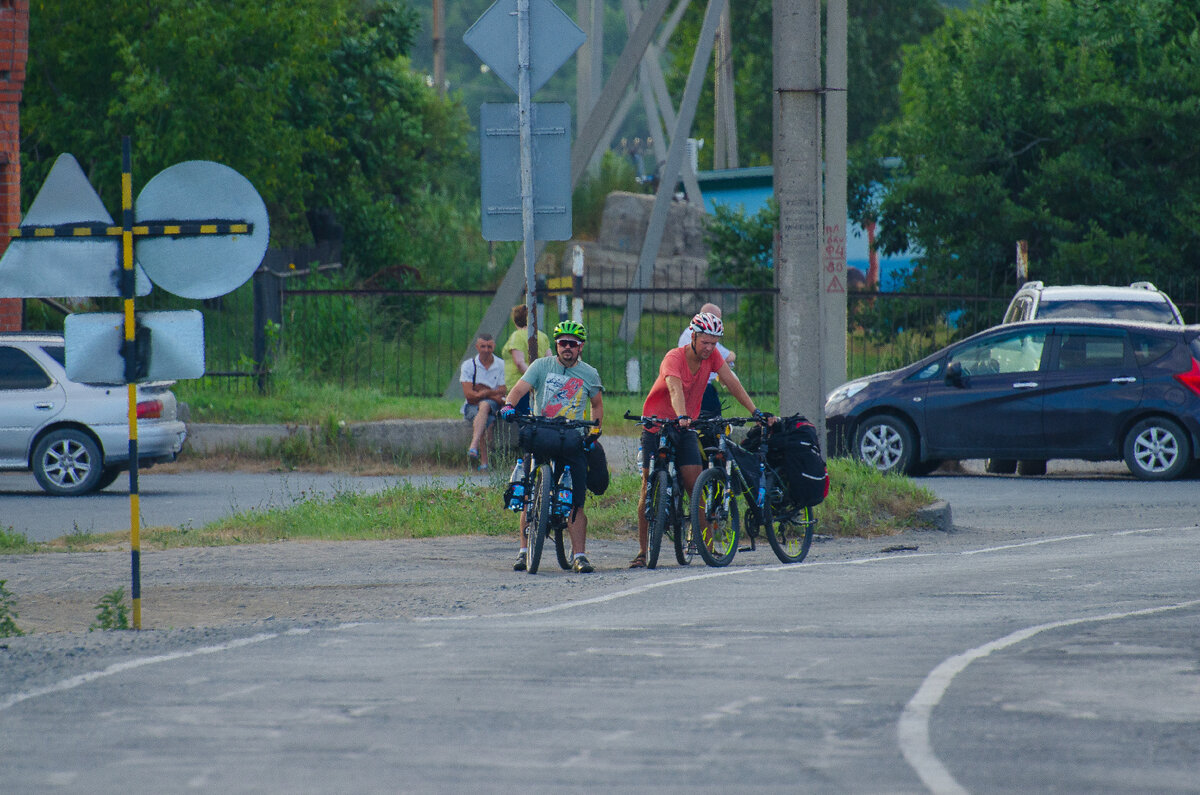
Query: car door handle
<point x="1125" y="379"/>
<point x="43" y="406"/>
<point x="1025" y="385"/>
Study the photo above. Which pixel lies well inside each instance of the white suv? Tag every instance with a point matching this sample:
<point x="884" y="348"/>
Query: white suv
<point x="75" y="437"/>
<point x="1138" y="301"/>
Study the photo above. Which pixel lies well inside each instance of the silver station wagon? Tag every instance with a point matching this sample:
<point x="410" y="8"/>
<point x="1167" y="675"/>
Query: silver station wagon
<point x="75" y="437"/>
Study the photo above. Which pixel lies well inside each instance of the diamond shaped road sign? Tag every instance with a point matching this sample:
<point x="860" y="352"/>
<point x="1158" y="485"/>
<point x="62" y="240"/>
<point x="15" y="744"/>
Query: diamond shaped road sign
<point x="553" y="38"/>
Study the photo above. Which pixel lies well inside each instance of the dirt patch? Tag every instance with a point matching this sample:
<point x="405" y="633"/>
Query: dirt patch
<point x="305" y="582"/>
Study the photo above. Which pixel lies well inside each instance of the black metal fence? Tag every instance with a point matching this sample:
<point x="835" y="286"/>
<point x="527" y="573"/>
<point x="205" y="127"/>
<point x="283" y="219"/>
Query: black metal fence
<point x="411" y="342"/>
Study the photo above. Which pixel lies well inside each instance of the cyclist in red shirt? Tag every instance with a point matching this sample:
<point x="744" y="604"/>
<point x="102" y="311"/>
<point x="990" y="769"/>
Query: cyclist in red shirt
<point x="678" y="392"/>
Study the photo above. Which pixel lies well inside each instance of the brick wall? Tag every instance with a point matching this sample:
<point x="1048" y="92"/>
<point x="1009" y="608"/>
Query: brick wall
<point x="14" y="49"/>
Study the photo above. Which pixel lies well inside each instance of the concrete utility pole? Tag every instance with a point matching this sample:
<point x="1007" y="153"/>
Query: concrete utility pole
<point x="800" y="334"/>
<point x="725" y="143"/>
<point x="833" y="254"/>
<point x="439" y="49"/>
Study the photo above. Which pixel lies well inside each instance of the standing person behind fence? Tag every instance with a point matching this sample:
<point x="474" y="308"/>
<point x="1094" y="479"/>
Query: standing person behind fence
<point x="482" y="378"/>
<point x="677" y="392"/>
<point x="516" y="351"/>
<point x="710" y="405"/>
<point x="564" y="386"/>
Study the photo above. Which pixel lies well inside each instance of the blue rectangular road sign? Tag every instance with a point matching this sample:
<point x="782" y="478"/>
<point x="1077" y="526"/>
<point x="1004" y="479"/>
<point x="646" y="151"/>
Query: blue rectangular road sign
<point x="500" y="156"/>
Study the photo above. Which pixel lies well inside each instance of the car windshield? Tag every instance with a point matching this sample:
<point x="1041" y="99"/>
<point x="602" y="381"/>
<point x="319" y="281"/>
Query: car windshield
<point x="1154" y="311"/>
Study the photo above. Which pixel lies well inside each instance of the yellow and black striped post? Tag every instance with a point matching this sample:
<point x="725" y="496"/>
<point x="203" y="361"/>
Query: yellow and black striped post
<point x="129" y="232"/>
<point x="128" y="292"/>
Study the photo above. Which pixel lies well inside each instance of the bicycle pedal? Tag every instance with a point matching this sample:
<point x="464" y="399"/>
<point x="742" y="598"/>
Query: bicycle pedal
<point x="745" y="549"/>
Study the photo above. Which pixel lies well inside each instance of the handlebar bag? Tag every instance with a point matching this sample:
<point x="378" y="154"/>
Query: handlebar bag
<point x="550" y="443"/>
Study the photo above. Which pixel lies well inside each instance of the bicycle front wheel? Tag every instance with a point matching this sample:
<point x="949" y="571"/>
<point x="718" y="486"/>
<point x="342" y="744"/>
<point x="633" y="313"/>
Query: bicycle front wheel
<point x="791" y="537"/>
<point x="539" y="516"/>
<point x="562" y="542"/>
<point x="714" y="518"/>
<point x="658" y="501"/>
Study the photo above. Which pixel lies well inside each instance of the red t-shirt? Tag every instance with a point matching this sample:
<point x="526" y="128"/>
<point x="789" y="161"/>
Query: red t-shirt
<point x="658" y="402"/>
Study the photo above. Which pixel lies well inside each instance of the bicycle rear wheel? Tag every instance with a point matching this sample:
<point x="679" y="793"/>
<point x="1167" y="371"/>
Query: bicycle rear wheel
<point x="657" y="505"/>
<point x="539" y="517"/>
<point x="681" y="524"/>
<point x="714" y="524"/>
<point x="792" y="536"/>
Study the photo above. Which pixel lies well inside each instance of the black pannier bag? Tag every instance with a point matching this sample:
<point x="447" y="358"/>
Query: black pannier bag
<point x="747" y="461"/>
<point x="794" y="451"/>
<point x="597" y="469"/>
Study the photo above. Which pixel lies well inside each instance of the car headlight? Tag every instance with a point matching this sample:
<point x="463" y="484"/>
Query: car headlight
<point x="846" y="391"/>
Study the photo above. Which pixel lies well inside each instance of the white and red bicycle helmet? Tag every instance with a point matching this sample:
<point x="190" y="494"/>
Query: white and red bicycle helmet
<point x="707" y="323"/>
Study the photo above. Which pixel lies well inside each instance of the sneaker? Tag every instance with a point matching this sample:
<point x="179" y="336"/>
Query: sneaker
<point x="520" y="564"/>
<point x="581" y="566"/>
<point x="483" y="467"/>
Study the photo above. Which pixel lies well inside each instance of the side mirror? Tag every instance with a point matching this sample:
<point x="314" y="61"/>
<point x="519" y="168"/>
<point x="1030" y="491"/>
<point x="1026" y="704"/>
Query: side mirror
<point x="955" y="376"/>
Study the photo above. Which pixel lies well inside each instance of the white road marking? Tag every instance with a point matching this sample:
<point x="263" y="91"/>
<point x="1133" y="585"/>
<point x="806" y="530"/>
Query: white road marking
<point x="913" y="728"/>
<point x="121" y="667"/>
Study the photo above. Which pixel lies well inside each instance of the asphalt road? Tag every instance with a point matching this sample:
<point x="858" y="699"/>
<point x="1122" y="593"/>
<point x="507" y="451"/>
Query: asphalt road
<point x="1062" y="662"/>
<point x="1048" y="645"/>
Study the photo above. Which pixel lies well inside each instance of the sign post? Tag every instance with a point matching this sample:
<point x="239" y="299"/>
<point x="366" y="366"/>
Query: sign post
<point x="199" y="230"/>
<point x="546" y="37"/>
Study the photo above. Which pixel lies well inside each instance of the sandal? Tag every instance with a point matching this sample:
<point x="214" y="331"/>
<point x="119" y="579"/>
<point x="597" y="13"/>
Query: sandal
<point x="639" y="562"/>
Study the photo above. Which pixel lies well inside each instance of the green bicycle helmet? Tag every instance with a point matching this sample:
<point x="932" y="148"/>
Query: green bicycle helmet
<point x="570" y="328"/>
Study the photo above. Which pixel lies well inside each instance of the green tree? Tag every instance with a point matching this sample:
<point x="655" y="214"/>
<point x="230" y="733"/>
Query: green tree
<point x="740" y="249"/>
<point x="311" y="100"/>
<point x="1066" y="123"/>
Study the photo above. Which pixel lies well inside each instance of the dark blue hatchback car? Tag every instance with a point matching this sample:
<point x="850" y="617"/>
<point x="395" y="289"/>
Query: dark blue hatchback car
<point x="1021" y="394"/>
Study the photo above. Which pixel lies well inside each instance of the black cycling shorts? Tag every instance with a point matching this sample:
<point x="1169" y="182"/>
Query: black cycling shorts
<point x="687" y="448"/>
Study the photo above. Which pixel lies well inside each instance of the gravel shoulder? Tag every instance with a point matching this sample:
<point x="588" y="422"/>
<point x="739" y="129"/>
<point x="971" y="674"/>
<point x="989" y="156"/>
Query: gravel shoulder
<point x="314" y="582"/>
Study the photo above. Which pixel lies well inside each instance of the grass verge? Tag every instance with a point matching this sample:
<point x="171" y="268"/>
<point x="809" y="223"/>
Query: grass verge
<point x="861" y="503"/>
<point x="325" y="407"/>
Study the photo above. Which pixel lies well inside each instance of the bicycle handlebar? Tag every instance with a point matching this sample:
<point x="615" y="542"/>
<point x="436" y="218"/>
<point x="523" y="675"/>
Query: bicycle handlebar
<point x="555" y="422"/>
<point x="648" y="421"/>
<point x="704" y="422"/>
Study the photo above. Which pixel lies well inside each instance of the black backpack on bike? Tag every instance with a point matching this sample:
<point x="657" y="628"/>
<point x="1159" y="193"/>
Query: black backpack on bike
<point x="795" y="453"/>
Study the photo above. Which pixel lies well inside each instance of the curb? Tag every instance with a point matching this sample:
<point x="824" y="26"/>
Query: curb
<point x="936" y="516"/>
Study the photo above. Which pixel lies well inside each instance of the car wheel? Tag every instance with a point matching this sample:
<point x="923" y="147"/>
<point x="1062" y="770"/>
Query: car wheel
<point x="67" y="463"/>
<point x="886" y="443"/>
<point x="1157" y="449"/>
<point x="1000" y="466"/>
<point x="1032" y="468"/>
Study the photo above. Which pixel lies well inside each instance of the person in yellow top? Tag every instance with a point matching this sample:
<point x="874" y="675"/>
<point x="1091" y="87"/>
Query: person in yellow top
<point x="516" y="352"/>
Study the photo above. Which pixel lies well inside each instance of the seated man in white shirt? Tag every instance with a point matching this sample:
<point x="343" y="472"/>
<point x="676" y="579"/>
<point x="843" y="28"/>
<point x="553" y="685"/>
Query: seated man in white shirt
<point x="483" y="387"/>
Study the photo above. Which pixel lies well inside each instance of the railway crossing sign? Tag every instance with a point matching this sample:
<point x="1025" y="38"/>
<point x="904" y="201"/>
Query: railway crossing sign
<point x="84" y="261"/>
<point x="199" y="229"/>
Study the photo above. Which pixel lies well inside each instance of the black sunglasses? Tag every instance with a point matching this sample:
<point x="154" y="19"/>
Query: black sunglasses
<point x="569" y="343"/>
